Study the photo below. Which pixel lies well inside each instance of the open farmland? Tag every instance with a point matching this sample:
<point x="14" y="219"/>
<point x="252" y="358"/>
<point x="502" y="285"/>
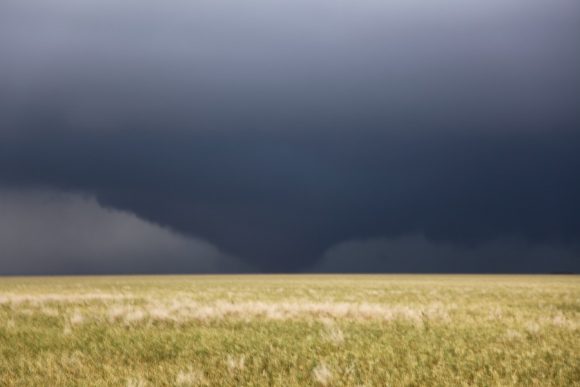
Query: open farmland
<point x="330" y="330"/>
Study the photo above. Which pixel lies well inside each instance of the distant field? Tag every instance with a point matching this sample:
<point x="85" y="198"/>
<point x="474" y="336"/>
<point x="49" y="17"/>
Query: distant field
<point x="290" y="330"/>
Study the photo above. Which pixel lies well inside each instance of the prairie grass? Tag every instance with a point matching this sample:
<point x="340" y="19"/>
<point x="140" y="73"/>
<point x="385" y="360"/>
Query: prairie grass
<point x="325" y="330"/>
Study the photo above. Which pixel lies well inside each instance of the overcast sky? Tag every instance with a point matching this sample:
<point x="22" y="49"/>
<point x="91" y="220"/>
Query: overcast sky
<point x="289" y="135"/>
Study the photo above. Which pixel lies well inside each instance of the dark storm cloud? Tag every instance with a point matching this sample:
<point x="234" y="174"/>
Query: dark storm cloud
<point x="292" y="197"/>
<point x="276" y="130"/>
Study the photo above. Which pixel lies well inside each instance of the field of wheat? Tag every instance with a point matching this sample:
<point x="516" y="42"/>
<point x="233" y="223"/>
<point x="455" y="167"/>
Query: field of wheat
<point x="373" y="330"/>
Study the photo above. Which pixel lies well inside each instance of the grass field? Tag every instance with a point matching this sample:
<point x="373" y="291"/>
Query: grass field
<point x="290" y="330"/>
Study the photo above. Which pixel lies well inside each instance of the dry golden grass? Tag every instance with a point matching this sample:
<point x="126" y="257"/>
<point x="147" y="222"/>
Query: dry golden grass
<point x="290" y="330"/>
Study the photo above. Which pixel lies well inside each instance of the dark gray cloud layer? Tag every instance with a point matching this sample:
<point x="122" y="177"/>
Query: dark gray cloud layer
<point x="277" y="130"/>
<point x="293" y="196"/>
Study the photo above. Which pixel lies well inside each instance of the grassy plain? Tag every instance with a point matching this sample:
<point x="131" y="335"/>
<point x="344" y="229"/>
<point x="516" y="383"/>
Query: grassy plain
<point x="375" y="330"/>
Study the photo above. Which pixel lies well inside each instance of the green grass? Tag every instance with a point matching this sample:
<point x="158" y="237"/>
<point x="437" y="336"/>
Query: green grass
<point x="378" y="330"/>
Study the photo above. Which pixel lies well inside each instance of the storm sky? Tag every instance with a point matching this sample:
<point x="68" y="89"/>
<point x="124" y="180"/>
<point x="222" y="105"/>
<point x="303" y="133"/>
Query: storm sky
<point x="149" y="136"/>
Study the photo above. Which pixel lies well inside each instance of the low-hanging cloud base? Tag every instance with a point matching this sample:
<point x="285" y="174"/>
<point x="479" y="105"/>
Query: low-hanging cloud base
<point x="50" y="232"/>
